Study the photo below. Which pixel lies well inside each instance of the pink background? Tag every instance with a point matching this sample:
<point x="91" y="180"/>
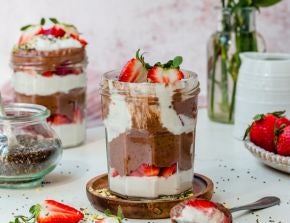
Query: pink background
<point x="115" y="29"/>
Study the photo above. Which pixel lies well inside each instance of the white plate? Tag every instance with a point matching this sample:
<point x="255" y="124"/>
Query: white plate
<point x="278" y="162"/>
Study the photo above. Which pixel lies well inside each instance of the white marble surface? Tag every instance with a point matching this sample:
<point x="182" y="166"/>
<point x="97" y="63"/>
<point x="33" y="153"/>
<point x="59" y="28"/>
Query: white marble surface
<point x="238" y="177"/>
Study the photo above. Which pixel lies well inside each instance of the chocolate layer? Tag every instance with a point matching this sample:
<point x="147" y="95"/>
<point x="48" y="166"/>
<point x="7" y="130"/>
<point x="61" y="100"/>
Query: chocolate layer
<point x="58" y="103"/>
<point x="47" y="60"/>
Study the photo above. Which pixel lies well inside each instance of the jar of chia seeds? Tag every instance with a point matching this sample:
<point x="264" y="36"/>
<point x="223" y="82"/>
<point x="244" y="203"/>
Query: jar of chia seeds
<point x="29" y="148"/>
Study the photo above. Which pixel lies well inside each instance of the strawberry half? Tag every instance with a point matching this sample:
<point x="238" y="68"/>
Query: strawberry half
<point x="262" y="131"/>
<point x="29" y="32"/>
<point x="51" y="212"/>
<point x="135" y="70"/>
<point x="201" y="204"/>
<point x="146" y="170"/>
<point x="166" y="73"/>
<point x="168" y="171"/>
<point x="55" y="31"/>
<point x="283" y="141"/>
<point x="77" y="37"/>
<point x="58" y="119"/>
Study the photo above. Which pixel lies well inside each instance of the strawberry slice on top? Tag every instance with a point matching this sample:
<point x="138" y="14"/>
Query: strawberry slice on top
<point x="29" y="32"/>
<point x="135" y="70"/>
<point x="166" y="73"/>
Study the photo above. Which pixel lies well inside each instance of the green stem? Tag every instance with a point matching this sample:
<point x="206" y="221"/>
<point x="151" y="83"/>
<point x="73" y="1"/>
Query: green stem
<point x="213" y="80"/>
<point x="224" y="78"/>
<point x="233" y="100"/>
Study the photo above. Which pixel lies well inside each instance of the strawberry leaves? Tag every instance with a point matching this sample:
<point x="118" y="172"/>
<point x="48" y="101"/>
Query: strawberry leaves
<point x="119" y="215"/>
<point x="54" y="20"/>
<point x="34" y="211"/>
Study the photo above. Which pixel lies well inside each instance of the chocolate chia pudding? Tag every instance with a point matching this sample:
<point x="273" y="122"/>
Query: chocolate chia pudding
<point x="50" y="69"/>
<point x="150" y="129"/>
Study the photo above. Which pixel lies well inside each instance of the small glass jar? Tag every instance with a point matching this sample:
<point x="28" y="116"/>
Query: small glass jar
<point x="150" y="135"/>
<point x="56" y="80"/>
<point x="29" y="148"/>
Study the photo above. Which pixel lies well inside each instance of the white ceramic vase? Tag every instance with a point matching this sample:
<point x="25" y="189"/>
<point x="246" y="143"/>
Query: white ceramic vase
<point x="263" y="86"/>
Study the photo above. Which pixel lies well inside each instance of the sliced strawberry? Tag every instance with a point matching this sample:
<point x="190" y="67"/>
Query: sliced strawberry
<point x="135" y="70"/>
<point x="168" y="171"/>
<point x="54" y="212"/>
<point x="77" y="37"/>
<point x="146" y="170"/>
<point x="166" y="76"/>
<point x="47" y="74"/>
<point x="30" y="32"/>
<point x="58" y="119"/>
<point x="114" y="173"/>
<point x="166" y="73"/>
<point x="54" y="31"/>
<point x="201" y="204"/>
<point x="283" y="121"/>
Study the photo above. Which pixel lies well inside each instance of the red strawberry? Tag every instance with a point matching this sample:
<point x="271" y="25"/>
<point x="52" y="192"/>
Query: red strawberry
<point x="52" y="212"/>
<point x="135" y="70"/>
<point x="283" y="142"/>
<point x="262" y="130"/>
<point x="54" y="31"/>
<point x="58" y="119"/>
<point x="29" y="32"/>
<point x="114" y="173"/>
<point x="47" y="74"/>
<point x="168" y="171"/>
<point x="283" y="121"/>
<point x="166" y="73"/>
<point x="77" y="37"/>
<point x="201" y="204"/>
<point x="146" y="170"/>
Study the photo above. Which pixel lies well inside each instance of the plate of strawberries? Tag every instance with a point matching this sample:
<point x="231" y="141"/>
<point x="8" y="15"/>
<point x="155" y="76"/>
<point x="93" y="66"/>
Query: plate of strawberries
<point x="268" y="139"/>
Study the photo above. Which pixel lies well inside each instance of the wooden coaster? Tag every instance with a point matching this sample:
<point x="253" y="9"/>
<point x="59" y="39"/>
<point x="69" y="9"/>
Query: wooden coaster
<point x="100" y="197"/>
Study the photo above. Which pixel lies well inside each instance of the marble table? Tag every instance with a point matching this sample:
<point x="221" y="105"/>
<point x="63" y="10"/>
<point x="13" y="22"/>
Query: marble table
<point x="238" y="177"/>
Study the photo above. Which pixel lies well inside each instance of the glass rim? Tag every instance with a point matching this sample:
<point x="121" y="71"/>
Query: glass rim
<point x="39" y="112"/>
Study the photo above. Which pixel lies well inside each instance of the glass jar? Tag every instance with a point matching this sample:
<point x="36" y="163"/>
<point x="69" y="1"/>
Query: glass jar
<point x="29" y="148"/>
<point x="150" y="135"/>
<point x="56" y="80"/>
<point x="236" y="33"/>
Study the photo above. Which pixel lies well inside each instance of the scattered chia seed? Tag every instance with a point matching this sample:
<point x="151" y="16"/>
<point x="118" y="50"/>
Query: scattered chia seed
<point x="30" y="155"/>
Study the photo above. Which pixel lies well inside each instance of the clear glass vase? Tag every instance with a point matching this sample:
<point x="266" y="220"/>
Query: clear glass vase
<point x="236" y="33"/>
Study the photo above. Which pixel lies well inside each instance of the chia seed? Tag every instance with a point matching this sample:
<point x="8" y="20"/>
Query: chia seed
<point x="31" y="154"/>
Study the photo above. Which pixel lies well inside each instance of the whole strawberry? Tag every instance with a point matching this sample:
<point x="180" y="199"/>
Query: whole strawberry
<point x="262" y="131"/>
<point x="283" y="142"/>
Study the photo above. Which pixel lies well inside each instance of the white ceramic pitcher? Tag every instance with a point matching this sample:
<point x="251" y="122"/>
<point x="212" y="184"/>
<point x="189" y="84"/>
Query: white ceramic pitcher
<point x="263" y="86"/>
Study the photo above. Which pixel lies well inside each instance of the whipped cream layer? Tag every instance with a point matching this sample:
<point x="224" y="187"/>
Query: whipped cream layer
<point x="71" y="134"/>
<point x="50" y="43"/>
<point x="151" y="187"/>
<point x="36" y="84"/>
<point x="125" y="112"/>
<point x="207" y="215"/>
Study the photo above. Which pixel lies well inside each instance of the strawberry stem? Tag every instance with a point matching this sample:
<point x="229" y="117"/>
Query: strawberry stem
<point x="34" y="211"/>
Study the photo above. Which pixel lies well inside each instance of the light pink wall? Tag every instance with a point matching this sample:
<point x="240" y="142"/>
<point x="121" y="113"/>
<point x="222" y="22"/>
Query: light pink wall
<point x="115" y="29"/>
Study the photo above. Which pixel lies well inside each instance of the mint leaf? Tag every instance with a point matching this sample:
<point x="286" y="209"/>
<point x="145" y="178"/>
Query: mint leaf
<point x="177" y="61"/>
<point x="266" y="3"/>
<point x="54" y="20"/>
<point x="42" y="21"/>
<point x="25" y="27"/>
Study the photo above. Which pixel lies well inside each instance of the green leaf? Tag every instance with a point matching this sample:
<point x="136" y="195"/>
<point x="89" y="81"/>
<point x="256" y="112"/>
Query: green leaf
<point x="25" y="27"/>
<point x="266" y="3"/>
<point x="120" y="213"/>
<point x="278" y="113"/>
<point x="42" y="21"/>
<point x="177" y="61"/>
<point x="247" y="132"/>
<point x="108" y="213"/>
<point x="54" y="20"/>
<point x="258" y="117"/>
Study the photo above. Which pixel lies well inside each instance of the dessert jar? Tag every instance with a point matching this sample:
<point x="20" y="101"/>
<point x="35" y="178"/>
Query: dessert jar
<point x="29" y="148"/>
<point x="150" y="135"/>
<point x="55" y="79"/>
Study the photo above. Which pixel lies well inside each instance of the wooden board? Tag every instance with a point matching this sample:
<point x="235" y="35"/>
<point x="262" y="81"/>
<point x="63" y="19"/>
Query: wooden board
<point x="100" y="197"/>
